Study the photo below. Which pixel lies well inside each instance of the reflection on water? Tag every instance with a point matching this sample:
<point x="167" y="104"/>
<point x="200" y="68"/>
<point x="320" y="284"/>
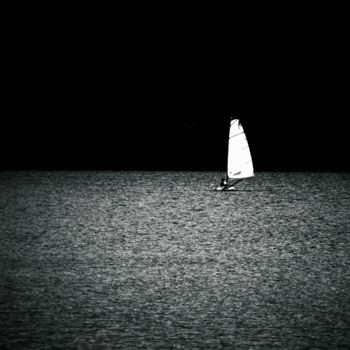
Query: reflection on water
<point x="157" y="260"/>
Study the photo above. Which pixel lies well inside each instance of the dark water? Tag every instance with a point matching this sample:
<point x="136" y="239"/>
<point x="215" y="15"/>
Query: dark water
<point x="156" y="260"/>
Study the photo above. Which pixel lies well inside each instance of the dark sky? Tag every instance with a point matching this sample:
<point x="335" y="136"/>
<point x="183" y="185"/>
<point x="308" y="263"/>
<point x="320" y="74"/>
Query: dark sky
<point x="81" y="100"/>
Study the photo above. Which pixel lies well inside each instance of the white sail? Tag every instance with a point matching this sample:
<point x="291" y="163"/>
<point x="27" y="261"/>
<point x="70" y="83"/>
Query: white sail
<point x="239" y="163"/>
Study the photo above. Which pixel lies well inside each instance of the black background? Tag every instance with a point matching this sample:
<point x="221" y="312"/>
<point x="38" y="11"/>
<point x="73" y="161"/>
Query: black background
<point x="88" y="93"/>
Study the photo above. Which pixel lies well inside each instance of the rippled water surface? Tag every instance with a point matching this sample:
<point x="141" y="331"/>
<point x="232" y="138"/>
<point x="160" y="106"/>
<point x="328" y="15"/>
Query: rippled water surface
<point x="158" y="260"/>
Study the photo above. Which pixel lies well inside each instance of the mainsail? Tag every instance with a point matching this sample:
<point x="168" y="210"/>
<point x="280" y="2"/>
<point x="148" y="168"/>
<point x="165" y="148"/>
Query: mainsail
<point x="239" y="162"/>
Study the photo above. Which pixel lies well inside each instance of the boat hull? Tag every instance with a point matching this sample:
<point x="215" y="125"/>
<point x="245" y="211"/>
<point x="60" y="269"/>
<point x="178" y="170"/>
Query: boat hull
<point x="224" y="189"/>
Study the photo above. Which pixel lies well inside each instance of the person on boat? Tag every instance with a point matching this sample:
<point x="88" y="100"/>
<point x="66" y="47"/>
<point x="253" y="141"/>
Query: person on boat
<point x="224" y="184"/>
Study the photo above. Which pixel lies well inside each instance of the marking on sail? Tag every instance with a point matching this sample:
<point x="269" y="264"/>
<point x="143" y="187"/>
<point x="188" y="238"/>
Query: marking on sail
<point x="237" y="134"/>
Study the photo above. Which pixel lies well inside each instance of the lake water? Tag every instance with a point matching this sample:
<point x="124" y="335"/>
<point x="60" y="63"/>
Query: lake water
<point x="158" y="260"/>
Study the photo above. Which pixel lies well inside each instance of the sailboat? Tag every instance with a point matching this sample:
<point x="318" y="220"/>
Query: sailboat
<point x="239" y="160"/>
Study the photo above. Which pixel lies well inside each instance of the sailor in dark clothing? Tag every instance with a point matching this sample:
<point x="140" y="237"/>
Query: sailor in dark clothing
<point x="224" y="184"/>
